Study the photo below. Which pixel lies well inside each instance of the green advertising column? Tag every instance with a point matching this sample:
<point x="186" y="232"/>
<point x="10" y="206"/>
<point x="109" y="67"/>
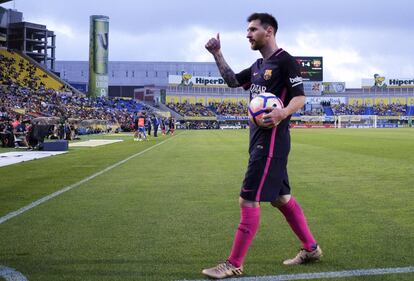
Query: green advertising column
<point x="98" y="56"/>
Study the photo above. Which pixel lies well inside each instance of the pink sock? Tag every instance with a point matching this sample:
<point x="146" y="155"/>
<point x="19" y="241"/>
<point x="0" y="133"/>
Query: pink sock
<point x="297" y="221"/>
<point x="249" y="223"/>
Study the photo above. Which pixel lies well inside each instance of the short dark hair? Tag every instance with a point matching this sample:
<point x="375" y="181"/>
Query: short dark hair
<point x="265" y="19"/>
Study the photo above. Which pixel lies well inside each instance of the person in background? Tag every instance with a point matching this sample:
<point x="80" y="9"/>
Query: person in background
<point x="163" y="126"/>
<point x="156" y="123"/>
<point x="171" y="125"/>
<point x="148" y="125"/>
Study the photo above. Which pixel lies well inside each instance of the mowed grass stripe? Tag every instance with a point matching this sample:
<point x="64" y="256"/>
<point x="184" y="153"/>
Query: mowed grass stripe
<point x="171" y="212"/>
<point x="67" y="188"/>
<point x="23" y="183"/>
<point x="128" y="210"/>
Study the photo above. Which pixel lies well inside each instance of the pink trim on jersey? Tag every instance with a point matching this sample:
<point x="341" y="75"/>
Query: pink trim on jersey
<point x="271" y="149"/>
<point x="278" y="52"/>
<point x="283" y="96"/>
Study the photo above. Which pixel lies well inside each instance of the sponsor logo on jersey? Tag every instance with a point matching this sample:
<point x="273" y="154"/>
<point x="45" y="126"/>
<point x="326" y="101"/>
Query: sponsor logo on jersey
<point x="295" y="81"/>
<point x="257" y="89"/>
<point x="268" y="74"/>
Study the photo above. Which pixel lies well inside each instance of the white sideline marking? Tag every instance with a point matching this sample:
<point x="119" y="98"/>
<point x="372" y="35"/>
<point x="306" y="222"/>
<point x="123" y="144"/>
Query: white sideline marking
<point x="10" y="274"/>
<point x="67" y="188"/>
<point x="332" y="274"/>
<point x="14" y="157"/>
<point x="92" y="143"/>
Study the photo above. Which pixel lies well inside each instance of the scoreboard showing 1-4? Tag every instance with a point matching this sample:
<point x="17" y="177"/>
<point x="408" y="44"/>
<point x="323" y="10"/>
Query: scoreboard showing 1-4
<point x="311" y="68"/>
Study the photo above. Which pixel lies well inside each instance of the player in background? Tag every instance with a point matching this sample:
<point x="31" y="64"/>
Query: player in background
<point x="163" y="126"/>
<point x="266" y="178"/>
<point x="136" y="132"/>
<point x="171" y="125"/>
<point x="156" y="123"/>
<point x="141" y="127"/>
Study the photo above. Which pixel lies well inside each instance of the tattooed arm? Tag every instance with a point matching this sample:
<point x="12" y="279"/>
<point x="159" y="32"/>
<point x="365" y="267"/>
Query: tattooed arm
<point x="213" y="46"/>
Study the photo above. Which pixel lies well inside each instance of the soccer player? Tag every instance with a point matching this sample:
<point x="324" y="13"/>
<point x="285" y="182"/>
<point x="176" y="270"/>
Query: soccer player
<point x="141" y="127"/>
<point x="171" y="125"/>
<point x="163" y="126"/>
<point x="266" y="178"/>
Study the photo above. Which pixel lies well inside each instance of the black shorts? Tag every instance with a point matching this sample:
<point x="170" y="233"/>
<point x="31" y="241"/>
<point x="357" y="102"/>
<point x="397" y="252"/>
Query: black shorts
<point x="265" y="180"/>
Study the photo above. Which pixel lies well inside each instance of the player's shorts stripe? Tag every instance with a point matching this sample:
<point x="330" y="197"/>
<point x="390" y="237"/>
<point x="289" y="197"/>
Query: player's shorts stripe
<point x="272" y="142"/>
<point x="271" y="150"/>
<point x="262" y="180"/>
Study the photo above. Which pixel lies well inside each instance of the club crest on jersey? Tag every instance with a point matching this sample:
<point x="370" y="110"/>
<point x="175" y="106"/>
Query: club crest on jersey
<point x="268" y="74"/>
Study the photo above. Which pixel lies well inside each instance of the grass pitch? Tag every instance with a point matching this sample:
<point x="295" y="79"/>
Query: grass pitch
<point x="168" y="213"/>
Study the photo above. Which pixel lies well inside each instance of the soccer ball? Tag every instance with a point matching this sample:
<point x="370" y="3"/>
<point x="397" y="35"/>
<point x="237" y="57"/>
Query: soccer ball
<point x="257" y="108"/>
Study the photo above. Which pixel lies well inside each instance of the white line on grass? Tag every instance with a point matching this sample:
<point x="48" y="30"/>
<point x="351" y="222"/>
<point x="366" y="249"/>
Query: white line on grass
<point x="332" y="274"/>
<point x="67" y="188"/>
<point x="10" y="274"/>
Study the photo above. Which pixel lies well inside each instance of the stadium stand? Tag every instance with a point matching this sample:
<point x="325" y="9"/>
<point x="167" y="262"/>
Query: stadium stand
<point x="27" y="93"/>
<point x="229" y="108"/>
<point x="189" y="109"/>
<point x="18" y="68"/>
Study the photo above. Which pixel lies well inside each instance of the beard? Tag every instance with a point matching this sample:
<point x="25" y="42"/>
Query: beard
<point x="255" y="45"/>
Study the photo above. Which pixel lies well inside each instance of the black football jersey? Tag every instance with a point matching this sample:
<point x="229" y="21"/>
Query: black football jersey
<point x="279" y="75"/>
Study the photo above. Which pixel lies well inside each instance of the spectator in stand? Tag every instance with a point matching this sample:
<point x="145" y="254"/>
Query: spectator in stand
<point x="188" y="109"/>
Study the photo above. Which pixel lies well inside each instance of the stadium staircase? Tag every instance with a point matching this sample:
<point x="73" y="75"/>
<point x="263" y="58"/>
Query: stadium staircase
<point x="328" y="111"/>
<point x="213" y="109"/>
<point x="410" y="110"/>
<point x="163" y="108"/>
<point x="369" y="110"/>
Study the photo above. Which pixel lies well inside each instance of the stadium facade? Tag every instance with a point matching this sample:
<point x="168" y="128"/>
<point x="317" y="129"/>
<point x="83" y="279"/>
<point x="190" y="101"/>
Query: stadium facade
<point x="125" y="76"/>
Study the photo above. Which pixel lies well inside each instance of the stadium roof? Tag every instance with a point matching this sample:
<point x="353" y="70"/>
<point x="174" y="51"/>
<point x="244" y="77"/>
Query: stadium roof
<point x="4" y="1"/>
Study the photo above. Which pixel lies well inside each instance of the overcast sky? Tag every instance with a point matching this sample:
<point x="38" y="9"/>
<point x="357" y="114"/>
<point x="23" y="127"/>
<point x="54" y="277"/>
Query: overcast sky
<point x="356" y="38"/>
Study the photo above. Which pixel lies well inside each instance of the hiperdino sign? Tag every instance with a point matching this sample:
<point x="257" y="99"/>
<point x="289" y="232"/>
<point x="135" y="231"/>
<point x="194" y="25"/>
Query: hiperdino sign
<point x="188" y="80"/>
<point x="381" y="82"/>
<point x="401" y="82"/>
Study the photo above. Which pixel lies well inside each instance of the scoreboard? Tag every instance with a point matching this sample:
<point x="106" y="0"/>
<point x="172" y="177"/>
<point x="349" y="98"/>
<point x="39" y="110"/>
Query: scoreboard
<point x="311" y="68"/>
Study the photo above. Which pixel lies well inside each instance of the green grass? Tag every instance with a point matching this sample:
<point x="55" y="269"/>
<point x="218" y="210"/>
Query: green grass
<point x="173" y="210"/>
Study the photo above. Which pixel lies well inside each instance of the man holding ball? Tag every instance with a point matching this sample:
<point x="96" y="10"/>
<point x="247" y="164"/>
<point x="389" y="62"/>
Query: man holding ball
<point x="266" y="178"/>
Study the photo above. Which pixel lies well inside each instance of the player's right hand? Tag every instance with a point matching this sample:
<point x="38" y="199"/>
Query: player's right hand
<point x="213" y="45"/>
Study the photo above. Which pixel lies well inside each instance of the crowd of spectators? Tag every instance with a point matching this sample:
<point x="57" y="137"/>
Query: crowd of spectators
<point x="21" y="72"/>
<point x="52" y="103"/>
<point x="189" y="109"/>
<point x="390" y="109"/>
<point x="24" y="97"/>
<point x="347" y="109"/>
<point x="312" y="112"/>
<point x="378" y="109"/>
<point x="240" y="109"/>
<point x="229" y="108"/>
<point x="199" y="124"/>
